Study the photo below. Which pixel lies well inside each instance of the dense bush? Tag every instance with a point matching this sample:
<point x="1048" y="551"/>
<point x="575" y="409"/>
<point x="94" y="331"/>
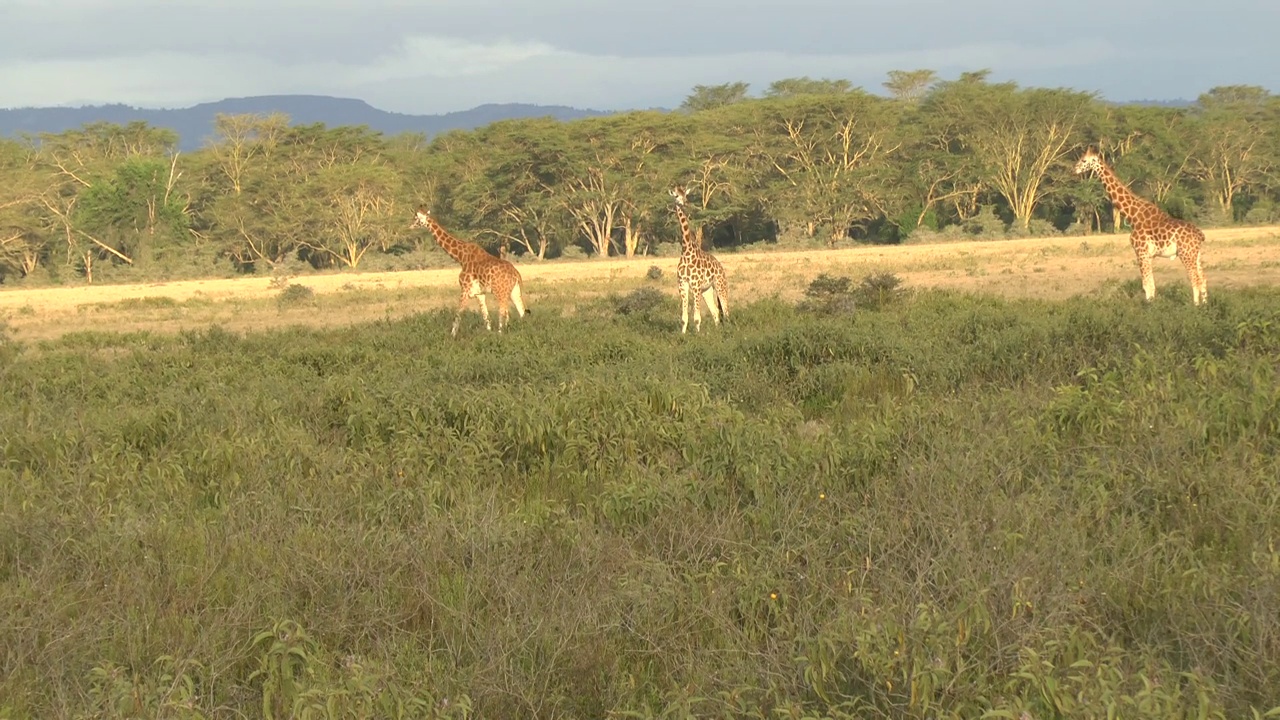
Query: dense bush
<point x="954" y="506"/>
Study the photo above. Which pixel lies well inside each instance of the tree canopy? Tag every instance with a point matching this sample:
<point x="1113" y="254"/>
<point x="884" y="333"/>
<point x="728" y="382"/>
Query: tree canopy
<point x="815" y="158"/>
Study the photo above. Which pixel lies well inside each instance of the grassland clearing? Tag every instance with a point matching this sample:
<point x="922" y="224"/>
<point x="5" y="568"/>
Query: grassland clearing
<point x="1048" y="268"/>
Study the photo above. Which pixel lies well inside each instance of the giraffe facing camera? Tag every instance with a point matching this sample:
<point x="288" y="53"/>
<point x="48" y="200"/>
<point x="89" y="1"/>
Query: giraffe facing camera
<point x="698" y="272"/>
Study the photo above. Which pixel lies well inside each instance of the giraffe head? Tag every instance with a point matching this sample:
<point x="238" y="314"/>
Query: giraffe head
<point x="420" y="218"/>
<point x="1091" y="161"/>
<point x="678" y="192"/>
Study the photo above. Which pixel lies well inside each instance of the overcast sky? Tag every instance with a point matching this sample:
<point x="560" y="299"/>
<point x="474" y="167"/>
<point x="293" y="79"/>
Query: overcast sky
<point x="434" y="56"/>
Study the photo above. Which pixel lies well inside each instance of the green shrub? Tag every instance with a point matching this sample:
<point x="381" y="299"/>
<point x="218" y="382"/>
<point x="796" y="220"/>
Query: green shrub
<point x="295" y="295"/>
<point x="640" y="300"/>
<point x="957" y="506"/>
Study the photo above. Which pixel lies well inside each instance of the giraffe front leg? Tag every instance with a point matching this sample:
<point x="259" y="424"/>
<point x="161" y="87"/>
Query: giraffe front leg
<point x="684" y="308"/>
<point x="1148" y="279"/>
<point x="457" y="317"/>
<point x="697" y="313"/>
<point x="484" y="310"/>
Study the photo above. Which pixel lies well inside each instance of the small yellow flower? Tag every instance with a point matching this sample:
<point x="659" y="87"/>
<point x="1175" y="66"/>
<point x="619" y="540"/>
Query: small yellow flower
<point x="773" y="596"/>
<point x="822" y="496"/>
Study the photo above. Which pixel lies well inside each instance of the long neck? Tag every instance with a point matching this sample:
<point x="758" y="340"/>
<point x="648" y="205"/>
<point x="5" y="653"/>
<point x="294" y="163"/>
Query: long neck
<point x="1134" y="207"/>
<point x="449" y="243"/>
<point x="687" y="241"/>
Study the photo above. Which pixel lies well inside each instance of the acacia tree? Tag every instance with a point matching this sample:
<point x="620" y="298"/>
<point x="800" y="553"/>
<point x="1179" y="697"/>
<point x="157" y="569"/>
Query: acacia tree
<point x="136" y="205"/>
<point x="646" y="168"/>
<point x="708" y="97"/>
<point x="938" y="179"/>
<point x="707" y="155"/>
<point x="605" y="172"/>
<point x="812" y="153"/>
<point x="505" y="180"/>
<point x="592" y="198"/>
<point x="831" y="154"/>
<point x="1016" y="136"/>
<point x="791" y="87"/>
<point x="22" y="244"/>
<point x="1236" y="125"/>
<point x="358" y="203"/>
<point x="457" y="181"/>
<point x="289" y="198"/>
<point x="76" y="162"/>
<point x="256" y="231"/>
<point x="910" y="85"/>
<point x="239" y="139"/>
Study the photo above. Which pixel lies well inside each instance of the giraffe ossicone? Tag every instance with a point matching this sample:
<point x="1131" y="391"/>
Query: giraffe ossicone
<point x="481" y="274"/>
<point x="698" y="273"/>
<point x="1154" y="232"/>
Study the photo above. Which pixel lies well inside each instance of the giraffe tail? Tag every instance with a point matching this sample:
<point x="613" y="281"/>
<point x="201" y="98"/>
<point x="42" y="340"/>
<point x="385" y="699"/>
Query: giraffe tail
<point x="721" y="291"/>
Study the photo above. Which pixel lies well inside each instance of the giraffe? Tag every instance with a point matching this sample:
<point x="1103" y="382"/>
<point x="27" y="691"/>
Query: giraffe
<point x="1154" y="233"/>
<point x="481" y="274"/>
<point x="699" y="272"/>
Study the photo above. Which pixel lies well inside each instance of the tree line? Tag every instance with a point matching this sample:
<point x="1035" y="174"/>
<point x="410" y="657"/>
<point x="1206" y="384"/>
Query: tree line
<point x="809" y="158"/>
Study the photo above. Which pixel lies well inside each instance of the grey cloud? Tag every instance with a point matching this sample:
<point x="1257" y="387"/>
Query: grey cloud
<point x="355" y="32"/>
<point x="609" y="53"/>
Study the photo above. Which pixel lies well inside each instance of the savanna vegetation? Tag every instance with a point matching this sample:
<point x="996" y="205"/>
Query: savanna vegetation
<point x="876" y="502"/>
<point x="872" y="501"/>
<point x="809" y="160"/>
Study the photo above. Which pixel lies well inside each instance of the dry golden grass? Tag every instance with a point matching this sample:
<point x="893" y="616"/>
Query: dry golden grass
<point x="1030" y="267"/>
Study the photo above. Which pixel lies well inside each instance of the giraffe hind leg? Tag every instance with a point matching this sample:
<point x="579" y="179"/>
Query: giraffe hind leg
<point x="484" y="310"/>
<point x="684" y="307"/>
<point x="1202" y="288"/>
<point x="517" y="299"/>
<point x="504" y="313"/>
<point x="1195" y="276"/>
<point x="713" y="303"/>
<point x="722" y="295"/>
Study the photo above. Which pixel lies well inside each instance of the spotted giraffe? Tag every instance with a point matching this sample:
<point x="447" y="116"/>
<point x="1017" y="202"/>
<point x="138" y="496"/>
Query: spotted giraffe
<point x="698" y="272"/>
<point x="481" y="274"/>
<point x="1154" y="233"/>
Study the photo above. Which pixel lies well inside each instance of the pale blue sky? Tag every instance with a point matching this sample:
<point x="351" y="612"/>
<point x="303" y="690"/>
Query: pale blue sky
<point x="434" y="56"/>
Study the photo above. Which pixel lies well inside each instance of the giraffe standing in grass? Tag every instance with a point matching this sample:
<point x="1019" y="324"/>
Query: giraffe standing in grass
<point x="699" y="273"/>
<point x="481" y="274"/>
<point x="1154" y="233"/>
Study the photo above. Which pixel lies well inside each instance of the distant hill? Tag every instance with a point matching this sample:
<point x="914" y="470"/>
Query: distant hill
<point x="195" y="124"/>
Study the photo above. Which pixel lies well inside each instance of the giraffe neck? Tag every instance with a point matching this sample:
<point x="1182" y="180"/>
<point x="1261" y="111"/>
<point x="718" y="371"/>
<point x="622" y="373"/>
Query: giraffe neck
<point x="1134" y="207"/>
<point x="687" y="241"/>
<point x="447" y="242"/>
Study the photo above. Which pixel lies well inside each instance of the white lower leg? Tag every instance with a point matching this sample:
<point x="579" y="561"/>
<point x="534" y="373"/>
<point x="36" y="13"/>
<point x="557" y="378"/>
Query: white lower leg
<point x="713" y="304"/>
<point x="484" y="310"/>
<point x="684" y="309"/>
<point x="517" y="299"/>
